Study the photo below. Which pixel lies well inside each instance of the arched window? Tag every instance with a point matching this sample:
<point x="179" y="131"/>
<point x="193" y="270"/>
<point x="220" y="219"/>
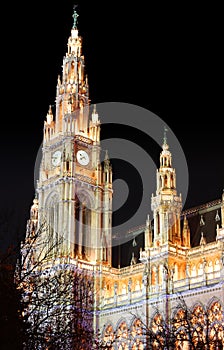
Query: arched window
<point x="193" y="271"/>
<point x="137" y="286"/>
<point x="210" y="267"/>
<point x="154" y="276"/>
<point x="82" y="225"/>
<point x="124" y="289"/>
<point x="160" y="274"/>
<point x="217" y="265"/>
<point x="175" y="275"/>
<point x="200" y="269"/>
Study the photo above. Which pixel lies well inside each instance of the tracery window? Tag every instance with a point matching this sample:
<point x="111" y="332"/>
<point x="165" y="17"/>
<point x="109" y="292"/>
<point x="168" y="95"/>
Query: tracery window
<point x="109" y="337"/>
<point x="208" y="327"/>
<point x="216" y="326"/>
<point x="181" y="329"/>
<point x="158" y="332"/>
<point x="137" y="335"/>
<point x="198" y="322"/>
<point x="215" y="312"/>
<point x="122" y="336"/>
<point x="180" y="319"/>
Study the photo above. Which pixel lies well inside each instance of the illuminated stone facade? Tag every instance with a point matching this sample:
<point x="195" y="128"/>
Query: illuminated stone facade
<point x="74" y="198"/>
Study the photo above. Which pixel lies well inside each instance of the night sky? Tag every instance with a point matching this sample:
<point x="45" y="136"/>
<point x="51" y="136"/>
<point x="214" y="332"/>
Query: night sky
<point x="164" y="58"/>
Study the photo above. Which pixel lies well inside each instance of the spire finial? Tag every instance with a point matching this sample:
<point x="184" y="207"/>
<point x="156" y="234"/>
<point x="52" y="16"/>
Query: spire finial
<point x="164" y="135"/>
<point x="165" y="145"/>
<point x="106" y="155"/>
<point x="75" y="17"/>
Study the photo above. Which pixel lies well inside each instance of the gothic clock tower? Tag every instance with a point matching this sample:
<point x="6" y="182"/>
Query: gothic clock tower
<point x="74" y="189"/>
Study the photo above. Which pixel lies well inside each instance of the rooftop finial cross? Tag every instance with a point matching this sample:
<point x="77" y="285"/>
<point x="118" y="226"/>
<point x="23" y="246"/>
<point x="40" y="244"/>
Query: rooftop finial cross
<point x="75" y="16"/>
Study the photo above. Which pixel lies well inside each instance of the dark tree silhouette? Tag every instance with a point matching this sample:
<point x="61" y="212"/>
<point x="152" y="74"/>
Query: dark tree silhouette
<point x="196" y="328"/>
<point x="12" y="327"/>
<point x="57" y="296"/>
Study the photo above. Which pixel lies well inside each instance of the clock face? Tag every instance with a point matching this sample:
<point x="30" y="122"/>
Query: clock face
<point x="82" y="157"/>
<point x="56" y="158"/>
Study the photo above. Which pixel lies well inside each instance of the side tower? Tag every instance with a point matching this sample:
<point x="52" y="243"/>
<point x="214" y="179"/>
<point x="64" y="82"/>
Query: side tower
<point x="166" y="204"/>
<point x="167" y="243"/>
<point x="74" y="189"/>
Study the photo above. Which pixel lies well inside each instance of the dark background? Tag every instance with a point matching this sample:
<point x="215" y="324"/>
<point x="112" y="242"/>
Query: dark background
<point x="166" y="58"/>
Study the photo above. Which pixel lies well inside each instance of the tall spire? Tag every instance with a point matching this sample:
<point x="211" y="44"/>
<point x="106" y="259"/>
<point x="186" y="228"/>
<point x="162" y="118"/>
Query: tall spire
<point x="75" y="17"/>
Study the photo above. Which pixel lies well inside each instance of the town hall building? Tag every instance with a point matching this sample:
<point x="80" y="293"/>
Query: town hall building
<point x="73" y="205"/>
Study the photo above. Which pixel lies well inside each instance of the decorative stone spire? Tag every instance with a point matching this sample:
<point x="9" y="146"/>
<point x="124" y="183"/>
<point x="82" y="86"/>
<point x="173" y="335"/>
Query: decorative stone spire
<point x="95" y="116"/>
<point x="34" y="209"/>
<point x="49" y="125"/>
<point x="202" y="239"/>
<point x="186" y="234"/>
<point x="49" y="116"/>
<point x="220" y="225"/>
<point x="107" y="169"/>
<point x="148" y="233"/>
<point x="106" y="161"/>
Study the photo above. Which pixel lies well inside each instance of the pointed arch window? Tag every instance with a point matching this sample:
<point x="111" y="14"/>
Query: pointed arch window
<point x="53" y="235"/>
<point x="82" y="225"/>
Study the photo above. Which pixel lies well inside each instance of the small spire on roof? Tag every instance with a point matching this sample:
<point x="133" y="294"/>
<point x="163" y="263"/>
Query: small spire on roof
<point x="202" y="240"/>
<point x="95" y="114"/>
<point x="106" y="155"/>
<point x="49" y="115"/>
<point x="106" y="161"/>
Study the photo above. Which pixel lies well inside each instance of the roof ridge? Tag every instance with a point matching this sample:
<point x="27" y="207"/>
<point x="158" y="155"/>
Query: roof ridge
<point x="200" y="207"/>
